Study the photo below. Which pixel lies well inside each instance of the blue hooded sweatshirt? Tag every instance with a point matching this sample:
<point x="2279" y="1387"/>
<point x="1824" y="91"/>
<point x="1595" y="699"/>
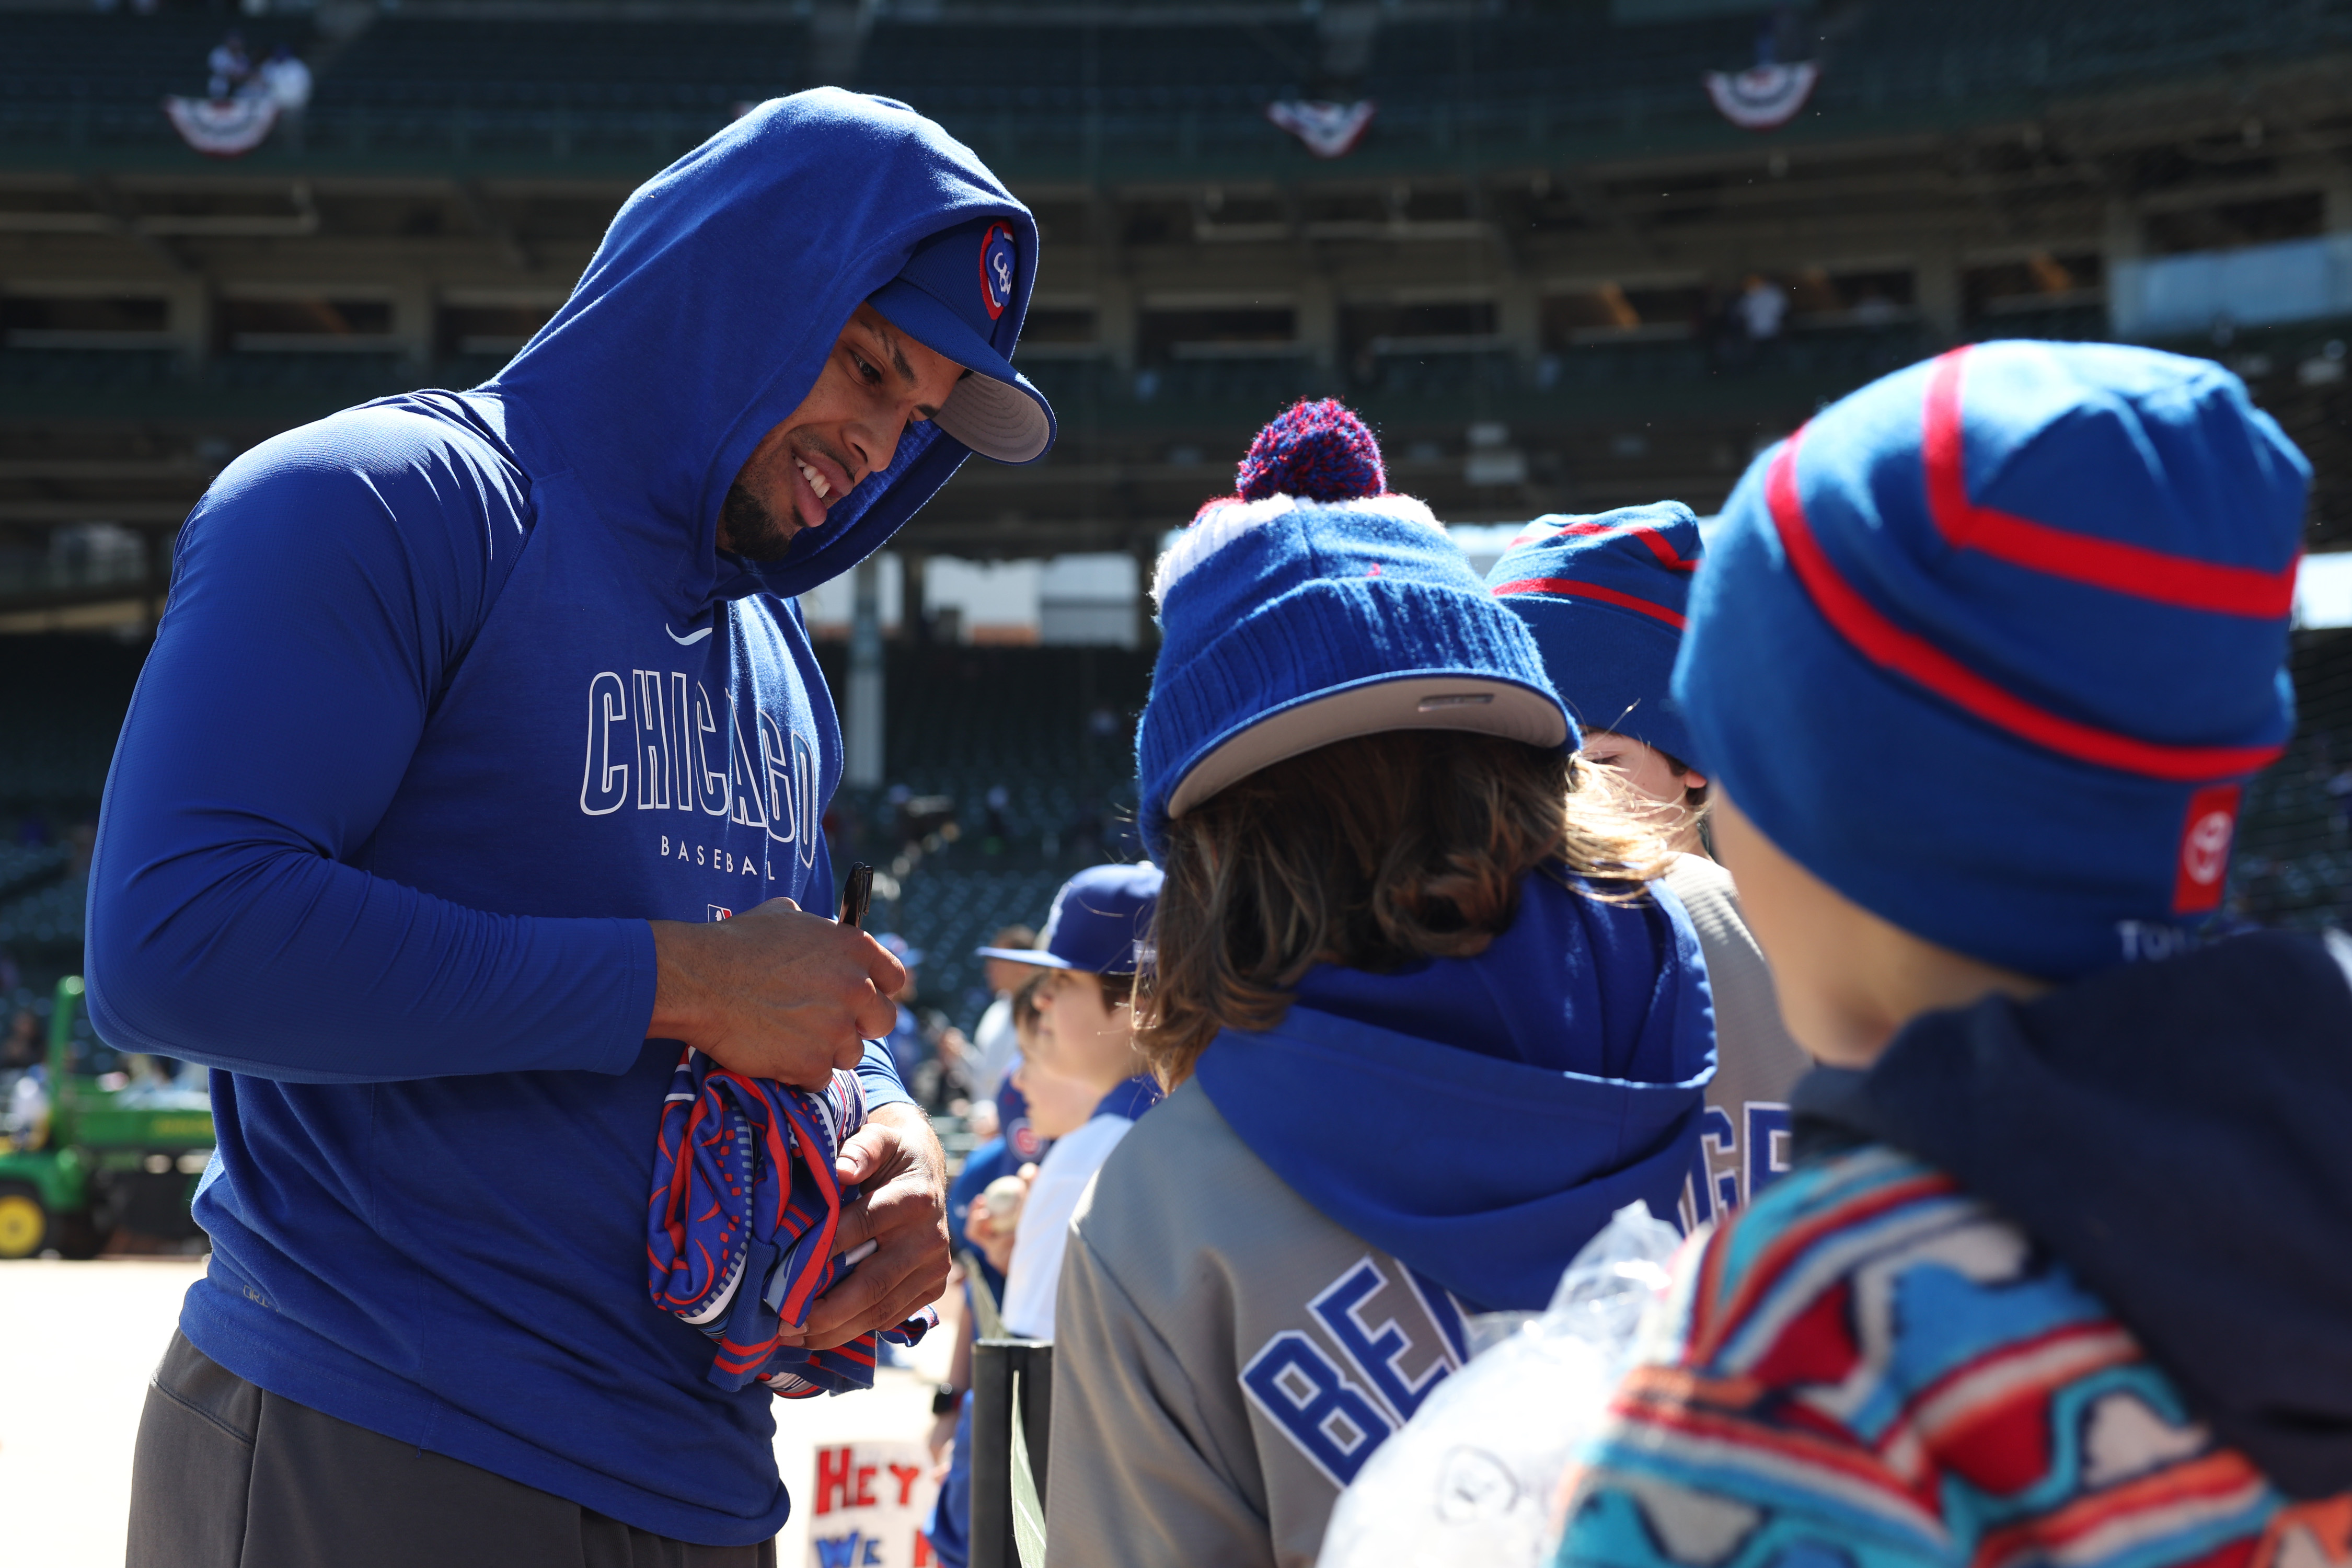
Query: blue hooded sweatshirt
<point x="1480" y="1119"/>
<point x="2173" y="1132"/>
<point x="453" y="693"/>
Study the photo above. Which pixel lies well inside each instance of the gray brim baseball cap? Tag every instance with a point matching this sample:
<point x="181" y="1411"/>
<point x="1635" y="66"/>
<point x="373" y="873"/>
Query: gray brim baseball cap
<point x="948" y="298"/>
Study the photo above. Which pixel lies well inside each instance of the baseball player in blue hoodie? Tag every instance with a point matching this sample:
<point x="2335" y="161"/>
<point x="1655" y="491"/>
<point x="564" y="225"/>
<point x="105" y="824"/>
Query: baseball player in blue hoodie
<point x="1427" y="1027"/>
<point x="472" y="718"/>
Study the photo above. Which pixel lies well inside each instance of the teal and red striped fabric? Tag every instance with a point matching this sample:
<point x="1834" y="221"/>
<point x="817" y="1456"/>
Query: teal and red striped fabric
<point x="1872" y="1369"/>
<point x="744" y="1190"/>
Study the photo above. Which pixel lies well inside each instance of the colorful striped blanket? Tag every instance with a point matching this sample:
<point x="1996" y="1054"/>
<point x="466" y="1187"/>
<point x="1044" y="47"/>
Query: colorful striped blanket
<point x="1870" y="1369"/>
<point x="744" y="1190"/>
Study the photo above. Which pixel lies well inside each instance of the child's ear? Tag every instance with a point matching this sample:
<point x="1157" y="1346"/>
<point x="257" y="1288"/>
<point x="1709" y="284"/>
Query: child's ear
<point x="1694" y="779"/>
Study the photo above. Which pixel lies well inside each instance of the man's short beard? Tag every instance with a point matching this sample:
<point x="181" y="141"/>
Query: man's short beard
<point x="749" y="529"/>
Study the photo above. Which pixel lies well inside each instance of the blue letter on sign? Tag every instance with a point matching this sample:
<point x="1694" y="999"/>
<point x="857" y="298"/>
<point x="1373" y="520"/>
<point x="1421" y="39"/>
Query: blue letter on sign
<point x="1331" y="1421"/>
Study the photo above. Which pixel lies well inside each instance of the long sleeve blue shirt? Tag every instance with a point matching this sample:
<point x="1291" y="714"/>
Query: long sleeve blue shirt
<point x="453" y="693"/>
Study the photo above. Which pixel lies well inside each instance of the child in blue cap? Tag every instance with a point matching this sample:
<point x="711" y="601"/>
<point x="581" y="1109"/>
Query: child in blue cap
<point x="2061" y="1274"/>
<point x="1607" y="598"/>
<point x="1082" y="1082"/>
<point x="1085" y="1034"/>
<point x="1425" y="1024"/>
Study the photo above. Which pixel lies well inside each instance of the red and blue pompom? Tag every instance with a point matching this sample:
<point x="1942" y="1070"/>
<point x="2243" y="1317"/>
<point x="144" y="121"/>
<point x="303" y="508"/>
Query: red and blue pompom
<point x="1317" y="450"/>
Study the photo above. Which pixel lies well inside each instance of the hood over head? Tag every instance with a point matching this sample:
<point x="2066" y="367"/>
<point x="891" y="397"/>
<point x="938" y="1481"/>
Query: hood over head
<point x="710" y="309"/>
<point x="2176" y="1134"/>
<point x="1480" y="1119"/>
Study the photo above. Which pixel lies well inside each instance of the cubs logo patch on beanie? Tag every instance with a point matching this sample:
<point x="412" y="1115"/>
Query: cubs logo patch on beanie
<point x="1992" y="646"/>
<point x="1313" y="605"/>
<point x="1606" y="598"/>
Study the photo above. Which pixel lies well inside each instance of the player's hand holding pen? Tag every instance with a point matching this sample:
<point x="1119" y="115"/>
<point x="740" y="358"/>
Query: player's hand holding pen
<point x="895" y="1232"/>
<point x="775" y="992"/>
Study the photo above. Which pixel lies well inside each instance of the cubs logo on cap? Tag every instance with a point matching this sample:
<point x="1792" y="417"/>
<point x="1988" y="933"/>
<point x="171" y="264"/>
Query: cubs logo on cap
<point x="997" y="261"/>
<point x="994" y="409"/>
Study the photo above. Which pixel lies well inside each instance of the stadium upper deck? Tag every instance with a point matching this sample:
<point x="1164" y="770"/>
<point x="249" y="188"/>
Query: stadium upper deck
<point x="1094" y="92"/>
<point x="1529" y="273"/>
<point x="1528" y="270"/>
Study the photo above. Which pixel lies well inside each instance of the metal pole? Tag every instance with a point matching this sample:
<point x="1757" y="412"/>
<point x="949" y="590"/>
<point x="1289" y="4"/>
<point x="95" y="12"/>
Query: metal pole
<point x="1037" y="1408"/>
<point x="992" y="1454"/>
<point x="863" y="765"/>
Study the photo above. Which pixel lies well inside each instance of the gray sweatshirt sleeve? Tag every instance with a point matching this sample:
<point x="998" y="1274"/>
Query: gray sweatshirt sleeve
<point x="1132" y="1484"/>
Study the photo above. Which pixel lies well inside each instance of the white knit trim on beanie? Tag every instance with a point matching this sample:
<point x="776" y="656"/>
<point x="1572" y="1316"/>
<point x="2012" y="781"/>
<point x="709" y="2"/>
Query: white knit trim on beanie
<point x="1224" y="521"/>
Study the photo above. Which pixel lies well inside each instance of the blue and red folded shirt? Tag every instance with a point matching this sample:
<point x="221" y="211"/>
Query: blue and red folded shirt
<point x="745" y="1193"/>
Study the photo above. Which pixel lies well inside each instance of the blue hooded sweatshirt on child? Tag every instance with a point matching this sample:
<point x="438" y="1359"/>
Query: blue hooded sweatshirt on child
<point x="453" y="693"/>
<point x="1480" y="1119"/>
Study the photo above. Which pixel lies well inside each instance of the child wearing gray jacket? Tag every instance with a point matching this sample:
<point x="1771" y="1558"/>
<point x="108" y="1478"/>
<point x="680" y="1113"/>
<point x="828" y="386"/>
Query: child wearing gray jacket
<point x="1426" y="1024"/>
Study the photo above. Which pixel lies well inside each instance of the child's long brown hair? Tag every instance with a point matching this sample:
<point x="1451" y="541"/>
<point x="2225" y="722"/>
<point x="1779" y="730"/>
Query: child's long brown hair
<point x="1369" y="853"/>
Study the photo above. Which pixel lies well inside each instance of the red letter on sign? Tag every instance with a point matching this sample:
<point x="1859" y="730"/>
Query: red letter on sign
<point x="865" y="1484"/>
<point x="905" y="1476"/>
<point x="833" y="1479"/>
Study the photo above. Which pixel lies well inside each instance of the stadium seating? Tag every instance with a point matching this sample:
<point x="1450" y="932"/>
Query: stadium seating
<point x="50" y="371"/>
<point x="76" y="57"/>
<point x="61" y="704"/>
<point x="684" y="64"/>
<point x="1053" y="727"/>
<point x="1537" y="84"/>
<point x="23" y="866"/>
<point x="288" y="386"/>
<point x="1133" y="88"/>
<point x="2293" y="864"/>
<point x="1912" y="51"/>
<point x="48" y="918"/>
<point x="947" y="911"/>
<point x="963" y="721"/>
<point x="1574" y="72"/>
<point x="947" y="67"/>
<point x="86" y="80"/>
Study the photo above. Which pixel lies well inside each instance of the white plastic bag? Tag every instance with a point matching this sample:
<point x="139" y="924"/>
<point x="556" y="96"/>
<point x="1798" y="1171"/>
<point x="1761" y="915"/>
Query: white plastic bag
<point x="1468" y="1482"/>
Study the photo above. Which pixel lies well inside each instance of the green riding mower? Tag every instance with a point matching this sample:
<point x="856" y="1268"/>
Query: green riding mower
<point x="114" y="1154"/>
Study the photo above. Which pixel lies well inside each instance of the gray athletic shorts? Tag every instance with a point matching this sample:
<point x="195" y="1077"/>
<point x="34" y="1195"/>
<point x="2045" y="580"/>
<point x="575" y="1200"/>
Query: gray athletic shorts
<point x="231" y="1476"/>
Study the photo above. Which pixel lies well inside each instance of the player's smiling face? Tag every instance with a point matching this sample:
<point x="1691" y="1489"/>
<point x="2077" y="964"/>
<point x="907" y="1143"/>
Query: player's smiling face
<point x="875" y="383"/>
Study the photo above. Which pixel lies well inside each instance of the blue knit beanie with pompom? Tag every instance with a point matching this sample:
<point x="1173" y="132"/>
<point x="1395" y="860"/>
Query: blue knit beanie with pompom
<point x="1314" y="606"/>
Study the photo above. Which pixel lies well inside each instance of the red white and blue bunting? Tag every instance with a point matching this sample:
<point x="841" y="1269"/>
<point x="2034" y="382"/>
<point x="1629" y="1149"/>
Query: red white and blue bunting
<point x="1329" y="129"/>
<point x="1763" y="96"/>
<point x="223" y="127"/>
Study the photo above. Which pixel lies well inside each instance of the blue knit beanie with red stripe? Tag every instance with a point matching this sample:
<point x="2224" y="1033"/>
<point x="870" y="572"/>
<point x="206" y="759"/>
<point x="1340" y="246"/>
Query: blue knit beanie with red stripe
<point x="1992" y="646"/>
<point x="1605" y="596"/>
